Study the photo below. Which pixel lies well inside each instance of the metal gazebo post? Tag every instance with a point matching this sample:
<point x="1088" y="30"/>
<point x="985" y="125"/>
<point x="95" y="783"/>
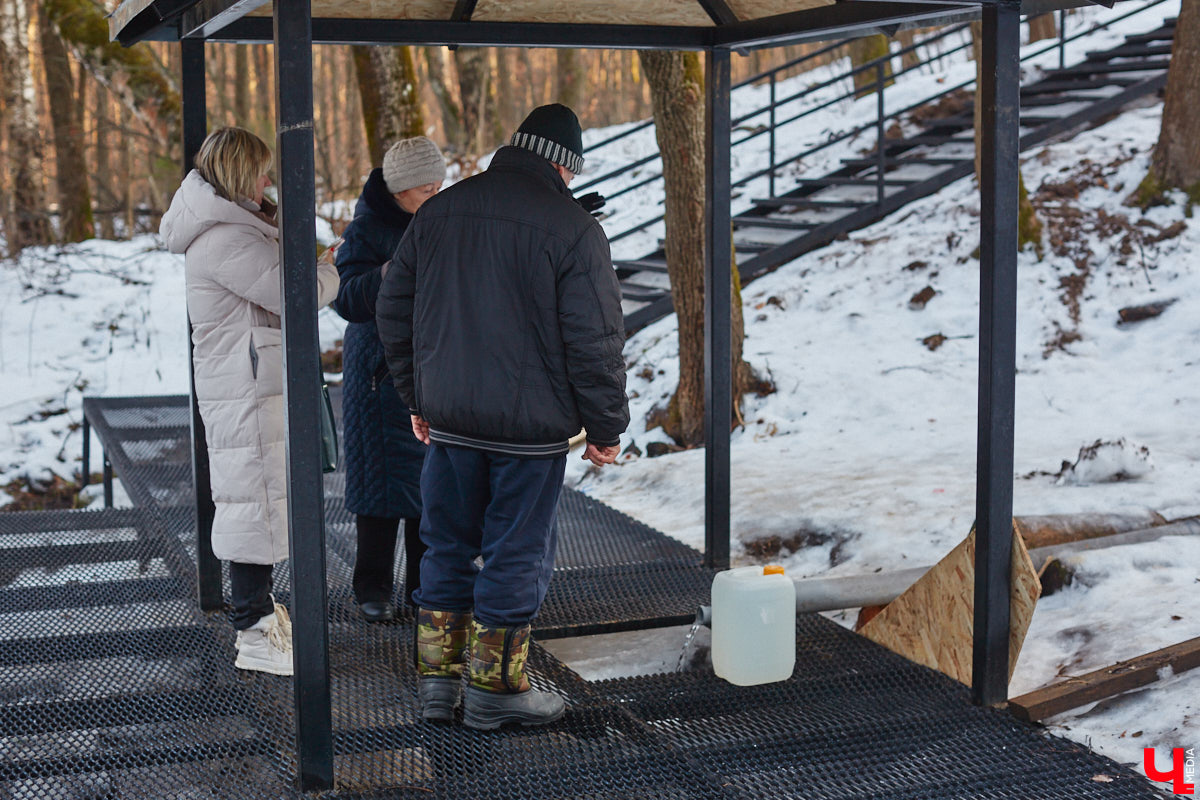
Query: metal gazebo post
<point x="195" y="128"/>
<point x="301" y="392"/>
<point x="999" y="93"/>
<point x="718" y="252"/>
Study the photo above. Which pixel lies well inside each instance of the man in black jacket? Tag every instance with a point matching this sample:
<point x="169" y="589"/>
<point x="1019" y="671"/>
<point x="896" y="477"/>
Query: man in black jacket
<point x="501" y="321"/>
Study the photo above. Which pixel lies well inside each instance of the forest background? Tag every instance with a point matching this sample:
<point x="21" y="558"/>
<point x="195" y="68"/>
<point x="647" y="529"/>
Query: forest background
<point x="89" y="141"/>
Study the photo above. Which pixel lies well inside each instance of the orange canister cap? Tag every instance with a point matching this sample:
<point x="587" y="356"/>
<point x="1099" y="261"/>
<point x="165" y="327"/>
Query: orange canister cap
<point x="773" y="569"/>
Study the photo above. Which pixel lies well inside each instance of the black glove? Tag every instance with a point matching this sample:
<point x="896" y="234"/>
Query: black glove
<point x="591" y="202"/>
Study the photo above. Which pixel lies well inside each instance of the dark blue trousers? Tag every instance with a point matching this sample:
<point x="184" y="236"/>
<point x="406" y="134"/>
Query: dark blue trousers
<point x="480" y="504"/>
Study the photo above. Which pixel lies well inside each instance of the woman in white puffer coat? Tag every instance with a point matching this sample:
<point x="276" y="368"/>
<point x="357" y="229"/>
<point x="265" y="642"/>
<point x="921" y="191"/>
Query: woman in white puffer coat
<point x="220" y="220"/>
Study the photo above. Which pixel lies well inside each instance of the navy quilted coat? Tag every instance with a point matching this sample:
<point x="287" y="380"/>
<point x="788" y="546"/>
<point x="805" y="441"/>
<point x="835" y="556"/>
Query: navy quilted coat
<point x="383" y="458"/>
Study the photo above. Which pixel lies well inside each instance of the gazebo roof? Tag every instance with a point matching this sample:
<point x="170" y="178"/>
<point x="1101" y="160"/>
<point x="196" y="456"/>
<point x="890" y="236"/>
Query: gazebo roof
<point x="672" y="24"/>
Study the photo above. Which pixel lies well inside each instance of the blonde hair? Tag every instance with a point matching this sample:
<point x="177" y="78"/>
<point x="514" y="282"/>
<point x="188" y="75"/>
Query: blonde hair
<point x="232" y="160"/>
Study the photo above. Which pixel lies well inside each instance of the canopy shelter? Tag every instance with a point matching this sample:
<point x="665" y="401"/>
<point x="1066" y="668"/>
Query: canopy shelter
<point x="716" y="27"/>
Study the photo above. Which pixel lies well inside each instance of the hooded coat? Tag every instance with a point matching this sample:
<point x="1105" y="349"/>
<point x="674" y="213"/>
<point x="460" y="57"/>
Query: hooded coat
<point x="233" y="298"/>
<point x="383" y="458"/>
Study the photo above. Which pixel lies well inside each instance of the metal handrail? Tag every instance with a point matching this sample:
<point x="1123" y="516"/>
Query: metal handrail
<point x="878" y="66"/>
<point x="772" y="75"/>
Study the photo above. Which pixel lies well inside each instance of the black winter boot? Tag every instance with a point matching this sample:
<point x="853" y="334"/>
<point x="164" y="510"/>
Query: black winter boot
<point x="441" y="650"/>
<point x="498" y="691"/>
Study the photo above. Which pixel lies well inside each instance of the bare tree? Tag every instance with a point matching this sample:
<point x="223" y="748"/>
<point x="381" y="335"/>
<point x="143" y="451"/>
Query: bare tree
<point x="25" y="220"/>
<point x="864" y="51"/>
<point x="391" y="104"/>
<point x="472" y="66"/>
<point x="677" y="93"/>
<point x="1042" y="27"/>
<point x="71" y="170"/>
<point x="1176" y="160"/>
<point x="571" y="77"/>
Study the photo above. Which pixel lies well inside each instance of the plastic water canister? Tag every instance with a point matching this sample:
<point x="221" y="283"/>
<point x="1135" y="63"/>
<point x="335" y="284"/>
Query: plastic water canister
<point x="753" y="625"/>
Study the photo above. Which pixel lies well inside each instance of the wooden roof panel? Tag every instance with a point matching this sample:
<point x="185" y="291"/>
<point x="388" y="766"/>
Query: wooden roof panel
<point x="757" y="9"/>
<point x="612" y="12"/>
<point x="374" y="9"/>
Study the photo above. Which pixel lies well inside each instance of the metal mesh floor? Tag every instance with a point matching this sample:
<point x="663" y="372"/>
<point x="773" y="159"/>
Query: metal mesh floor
<point x="114" y="685"/>
<point x="612" y="573"/>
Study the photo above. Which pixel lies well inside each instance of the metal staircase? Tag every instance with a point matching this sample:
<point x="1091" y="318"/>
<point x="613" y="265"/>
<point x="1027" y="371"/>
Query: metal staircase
<point x="779" y="227"/>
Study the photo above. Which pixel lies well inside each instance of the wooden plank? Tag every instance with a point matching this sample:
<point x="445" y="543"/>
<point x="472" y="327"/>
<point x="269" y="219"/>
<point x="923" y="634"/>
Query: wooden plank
<point x="931" y="623"/>
<point x="1047" y="530"/>
<point x="628" y="12"/>
<point x="1106" y="682"/>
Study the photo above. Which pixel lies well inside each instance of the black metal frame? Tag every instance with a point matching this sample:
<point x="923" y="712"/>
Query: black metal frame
<point x="301" y="391"/>
<point x="718" y="306"/>
<point x="999" y="97"/>
<point x="292" y="30"/>
<point x="195" y="128"/>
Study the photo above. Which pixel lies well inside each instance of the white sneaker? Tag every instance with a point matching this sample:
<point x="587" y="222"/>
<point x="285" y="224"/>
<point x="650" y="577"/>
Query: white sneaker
<point x="264" y="647"/>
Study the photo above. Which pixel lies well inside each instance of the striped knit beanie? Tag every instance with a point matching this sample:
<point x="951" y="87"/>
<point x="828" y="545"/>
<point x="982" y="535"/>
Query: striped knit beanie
<point x="553" y="133"/>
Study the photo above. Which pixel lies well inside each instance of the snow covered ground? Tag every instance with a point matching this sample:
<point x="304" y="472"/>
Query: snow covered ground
<point x="864" y="458"/>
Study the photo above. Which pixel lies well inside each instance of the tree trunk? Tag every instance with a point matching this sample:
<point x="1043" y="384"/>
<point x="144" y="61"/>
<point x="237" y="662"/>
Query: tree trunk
<point x="863" y="51"/>
<point x="571" y="78"/>
<point x="506" y="101"/>
<point x="527" y="63"/>
<point x="472" y="65"/>
<point x="241" y="85"/>
<point x="391" y="103"/>
<point x="25" y="220"/>
<point x="452" y="125"/>
<point x="1176" y="160"/>
<point x="912" y="58"/>
<point x="71" y="171"/>
<point x="132" y="74"/>
<point x="109" y="199"/>
<point x="677" y="94"/>
<point x="264" y="96"/>
<point x="1042" y="27"/>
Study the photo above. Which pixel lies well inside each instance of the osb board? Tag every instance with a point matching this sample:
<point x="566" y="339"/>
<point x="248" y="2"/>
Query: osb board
<point x="757" y="9"/>
<point x="614" y="12"/>
<point x="374" y="9"/>
<point x="931" y="623"/>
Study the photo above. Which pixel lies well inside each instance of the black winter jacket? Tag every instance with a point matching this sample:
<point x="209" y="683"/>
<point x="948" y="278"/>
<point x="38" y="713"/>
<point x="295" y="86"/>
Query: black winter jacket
<point x="501" y="315"/>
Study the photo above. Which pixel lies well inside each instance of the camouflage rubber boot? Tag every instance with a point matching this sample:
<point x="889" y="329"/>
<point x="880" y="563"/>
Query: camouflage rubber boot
<point x="441" y="653"/>
<point x="498" y="691"/>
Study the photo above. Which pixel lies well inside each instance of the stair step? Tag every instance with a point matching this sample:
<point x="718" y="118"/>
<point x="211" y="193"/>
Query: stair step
<point x="58" y="556"/>
<point x="642" y="265"/>
<point x="924" y="138"/>
<point x="751" y="247"/>
<point x="1148" y="65"/>
<point x="148" y="643"/>
<point x="1128" y="51"/>
<point x="763" y="222"/>
<point x="855" y="182"/>
<point x="641" y="294"/>
<point x="1048" y="87"/>
<point x="28" y="719"/>
<point x="804" y="202"/>
<point x="1039" y="100"/>
<point x="894" y="160"/>
<point x="1031" y="120"/>
<point x="1165" y="32"/>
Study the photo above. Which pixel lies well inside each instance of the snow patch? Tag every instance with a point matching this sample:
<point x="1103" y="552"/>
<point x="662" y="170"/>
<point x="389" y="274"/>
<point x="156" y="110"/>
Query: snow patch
<point x="1107" y="461"/>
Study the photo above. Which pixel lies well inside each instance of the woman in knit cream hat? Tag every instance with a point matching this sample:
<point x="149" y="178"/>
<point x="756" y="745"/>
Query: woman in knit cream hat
<point x="383" y="458"/>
